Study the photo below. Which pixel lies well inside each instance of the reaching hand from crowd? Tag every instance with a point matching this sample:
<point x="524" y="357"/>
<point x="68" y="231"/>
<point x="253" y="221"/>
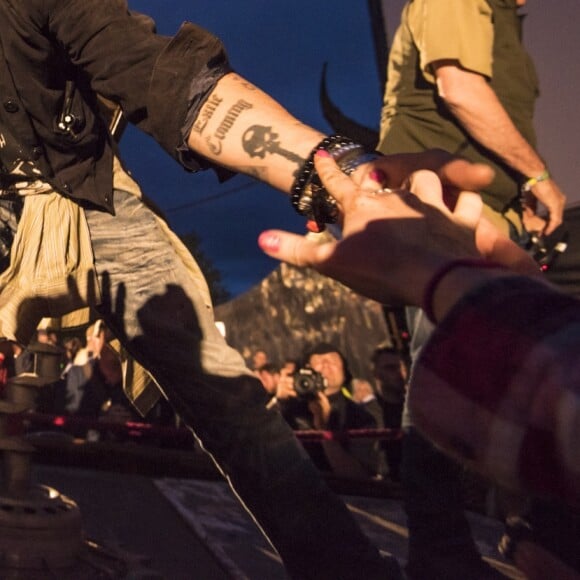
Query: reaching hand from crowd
<point x="394" y="240"/>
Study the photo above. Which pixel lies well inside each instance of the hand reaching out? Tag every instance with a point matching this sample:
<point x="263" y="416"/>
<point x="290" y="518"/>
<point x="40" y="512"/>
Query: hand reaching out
<point x="394" y="240"/>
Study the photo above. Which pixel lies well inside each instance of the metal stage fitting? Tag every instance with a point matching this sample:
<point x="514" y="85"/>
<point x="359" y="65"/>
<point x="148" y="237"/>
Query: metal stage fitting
<point x="39" y="530"/>
<point x="41" y="533"/>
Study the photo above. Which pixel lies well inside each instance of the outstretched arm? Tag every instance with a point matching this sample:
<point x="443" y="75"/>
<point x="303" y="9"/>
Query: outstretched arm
<point x="244" y="129"/>
<point x="394" y="241"/>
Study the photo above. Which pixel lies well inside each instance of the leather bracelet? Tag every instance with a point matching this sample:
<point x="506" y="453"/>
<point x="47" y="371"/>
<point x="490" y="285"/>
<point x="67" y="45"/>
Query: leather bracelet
<point x="436" y="279"/>
<point x="350" y="165"/>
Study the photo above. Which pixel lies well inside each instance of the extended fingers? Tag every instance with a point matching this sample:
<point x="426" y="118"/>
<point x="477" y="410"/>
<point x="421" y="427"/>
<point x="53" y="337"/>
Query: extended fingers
<point x="465" y="175"/>
<point x="334" y="180"/>
<point x="498" y="248"/>
<point x="468" y="209"/>
<point x="294" y="249"/>
<point x="427" y="187"/>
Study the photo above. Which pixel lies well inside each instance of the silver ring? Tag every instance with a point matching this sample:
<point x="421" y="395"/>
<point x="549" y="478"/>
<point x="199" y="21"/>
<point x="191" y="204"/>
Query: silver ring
<point x="385" y="191"/>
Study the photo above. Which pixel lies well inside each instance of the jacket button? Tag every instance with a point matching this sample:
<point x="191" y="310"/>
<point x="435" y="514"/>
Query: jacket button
<point x="67" y="187"/>
<point x="11" y="106"/>
<point x="36" y="153"/>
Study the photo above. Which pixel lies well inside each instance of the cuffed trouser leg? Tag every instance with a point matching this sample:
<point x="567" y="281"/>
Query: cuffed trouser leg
<point x="160" y="312"/>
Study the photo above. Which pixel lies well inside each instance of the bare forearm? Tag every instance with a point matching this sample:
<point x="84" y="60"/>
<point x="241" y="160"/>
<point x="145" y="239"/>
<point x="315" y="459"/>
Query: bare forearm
<point x="476" y="106"/>
<point x="242" y="128"/>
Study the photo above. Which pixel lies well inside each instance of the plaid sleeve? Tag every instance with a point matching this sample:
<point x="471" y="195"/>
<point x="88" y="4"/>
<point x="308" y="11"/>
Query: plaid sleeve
<point x="498" y="385"/>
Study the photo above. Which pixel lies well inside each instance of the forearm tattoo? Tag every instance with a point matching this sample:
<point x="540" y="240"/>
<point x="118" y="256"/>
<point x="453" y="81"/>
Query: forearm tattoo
<point x="259" y="140"/>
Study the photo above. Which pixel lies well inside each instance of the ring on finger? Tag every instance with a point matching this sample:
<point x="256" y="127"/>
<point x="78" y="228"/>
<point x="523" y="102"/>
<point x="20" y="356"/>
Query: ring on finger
<point x="386" y="191"/>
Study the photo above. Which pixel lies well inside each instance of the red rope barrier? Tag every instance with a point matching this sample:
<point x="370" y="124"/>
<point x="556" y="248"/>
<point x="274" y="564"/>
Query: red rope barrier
<point x="376" y="434"/>
<point x="71" y="423"/>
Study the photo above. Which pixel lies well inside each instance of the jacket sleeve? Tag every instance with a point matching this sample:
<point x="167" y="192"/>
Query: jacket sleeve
<point x="160" y="82"/>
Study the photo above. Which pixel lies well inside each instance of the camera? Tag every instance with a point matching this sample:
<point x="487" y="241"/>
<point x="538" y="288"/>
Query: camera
<point x="545" y="250"/>
<point x="308" y="382"/>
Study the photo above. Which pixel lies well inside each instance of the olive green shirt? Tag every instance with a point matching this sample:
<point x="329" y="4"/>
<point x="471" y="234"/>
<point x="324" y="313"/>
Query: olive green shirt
<point x="484" y="36"/>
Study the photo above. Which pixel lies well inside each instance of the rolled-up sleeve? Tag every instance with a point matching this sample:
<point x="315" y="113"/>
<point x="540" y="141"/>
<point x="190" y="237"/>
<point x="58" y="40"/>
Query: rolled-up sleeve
<point x="189" y="68"/>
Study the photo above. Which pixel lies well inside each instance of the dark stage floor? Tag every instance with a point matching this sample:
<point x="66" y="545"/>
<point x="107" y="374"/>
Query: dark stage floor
<point x="188" y="529"/>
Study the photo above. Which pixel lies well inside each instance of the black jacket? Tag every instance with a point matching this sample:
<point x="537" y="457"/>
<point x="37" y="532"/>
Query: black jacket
<point x="54" y="49"/>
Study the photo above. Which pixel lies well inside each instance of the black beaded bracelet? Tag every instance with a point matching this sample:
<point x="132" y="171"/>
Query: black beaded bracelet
<point x="308" y="196"/>
<point x="305" y="173"/>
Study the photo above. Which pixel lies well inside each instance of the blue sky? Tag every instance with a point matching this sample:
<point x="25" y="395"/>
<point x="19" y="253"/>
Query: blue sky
<point x="281" y="46"/>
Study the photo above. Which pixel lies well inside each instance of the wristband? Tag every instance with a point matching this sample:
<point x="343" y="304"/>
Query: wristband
<point x="436" y="279"/>
<point x="529" y="184"/>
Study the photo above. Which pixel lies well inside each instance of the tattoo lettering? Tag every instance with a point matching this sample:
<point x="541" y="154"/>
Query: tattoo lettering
<point x="206" y="113"/>
<point x="259" y="140"/>
<point x="215" y="141"/>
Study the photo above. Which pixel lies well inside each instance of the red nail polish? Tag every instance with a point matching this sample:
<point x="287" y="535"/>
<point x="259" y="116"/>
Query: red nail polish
<point x="312" y="226"/>
<point x="269" y="241"/>
<point x="377" y="175"/>
<point x="323" y="153"/>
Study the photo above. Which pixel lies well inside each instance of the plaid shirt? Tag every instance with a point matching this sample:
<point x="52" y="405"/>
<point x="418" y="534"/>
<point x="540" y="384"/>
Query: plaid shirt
<point x="498" y="386"/>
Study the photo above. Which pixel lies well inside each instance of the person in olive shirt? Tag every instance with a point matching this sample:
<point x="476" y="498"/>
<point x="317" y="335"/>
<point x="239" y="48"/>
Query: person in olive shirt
<point x="459" y="78"/>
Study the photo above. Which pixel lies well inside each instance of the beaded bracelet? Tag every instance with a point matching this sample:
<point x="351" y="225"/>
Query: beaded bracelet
<point x="436" y="279"/>
<point x="306" y="172"/>
<point x="529" y="184"/>
<point x="308" y="196"/>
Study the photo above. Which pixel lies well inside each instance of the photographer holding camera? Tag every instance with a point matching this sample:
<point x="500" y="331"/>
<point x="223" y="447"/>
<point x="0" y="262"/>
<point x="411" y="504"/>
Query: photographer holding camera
<point x="318" y="397"/>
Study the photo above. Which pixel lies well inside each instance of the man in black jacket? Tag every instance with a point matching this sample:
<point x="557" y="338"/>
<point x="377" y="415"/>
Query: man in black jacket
<point x="85" y="238"/>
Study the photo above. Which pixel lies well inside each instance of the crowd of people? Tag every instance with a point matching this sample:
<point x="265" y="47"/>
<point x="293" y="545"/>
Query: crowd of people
<point x="319" y="393"/>
<point x="82" y="378"/>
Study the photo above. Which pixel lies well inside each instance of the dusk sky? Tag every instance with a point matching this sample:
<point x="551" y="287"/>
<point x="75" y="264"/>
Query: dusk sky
<point x="281" y="47"/>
